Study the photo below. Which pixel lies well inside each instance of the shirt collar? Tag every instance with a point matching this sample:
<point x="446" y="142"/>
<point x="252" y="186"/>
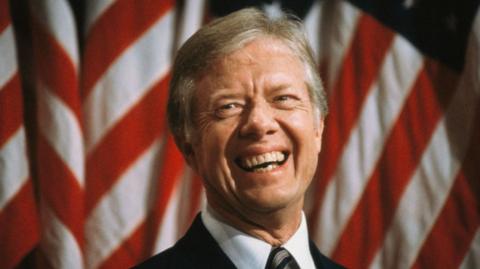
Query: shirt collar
<point x="246" y="251"/>
<point x="299" y="246"/>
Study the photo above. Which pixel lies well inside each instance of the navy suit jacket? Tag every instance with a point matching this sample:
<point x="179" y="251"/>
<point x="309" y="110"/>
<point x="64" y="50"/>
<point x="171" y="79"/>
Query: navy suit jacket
<point x="198" y="249"/>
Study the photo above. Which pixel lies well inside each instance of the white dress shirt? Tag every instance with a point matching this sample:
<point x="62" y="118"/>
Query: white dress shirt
<point x="248" y="252"/>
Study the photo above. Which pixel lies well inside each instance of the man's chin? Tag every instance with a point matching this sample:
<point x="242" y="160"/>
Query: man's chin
<point x="268" y="203"/>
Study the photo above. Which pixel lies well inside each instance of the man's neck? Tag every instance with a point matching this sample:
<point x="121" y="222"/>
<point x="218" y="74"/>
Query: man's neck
<point x="274" y="227"/>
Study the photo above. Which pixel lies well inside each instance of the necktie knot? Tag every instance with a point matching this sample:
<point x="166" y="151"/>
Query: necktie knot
<point x="280" y="258"/>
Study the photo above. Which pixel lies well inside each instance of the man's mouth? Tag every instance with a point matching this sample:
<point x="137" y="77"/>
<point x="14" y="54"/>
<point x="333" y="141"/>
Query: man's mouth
<point x="263" y="162"/>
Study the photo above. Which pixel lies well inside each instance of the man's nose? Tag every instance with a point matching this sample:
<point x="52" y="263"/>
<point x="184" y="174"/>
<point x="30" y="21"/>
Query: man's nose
<point x="258" y="121"/>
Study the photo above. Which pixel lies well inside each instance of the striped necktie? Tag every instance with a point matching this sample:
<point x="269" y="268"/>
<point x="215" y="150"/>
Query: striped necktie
<point x="280" y="258"/>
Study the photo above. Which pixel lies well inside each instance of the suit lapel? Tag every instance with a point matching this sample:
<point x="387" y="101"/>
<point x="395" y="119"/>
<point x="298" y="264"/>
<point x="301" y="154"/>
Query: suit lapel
<point x="322" y="262"/>
<point x="202" y="249"/>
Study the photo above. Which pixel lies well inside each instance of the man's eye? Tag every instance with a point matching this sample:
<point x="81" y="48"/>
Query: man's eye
<point x="228" y="110"/>
<point x="282" y="98"/>
<point x="285" y="101"/>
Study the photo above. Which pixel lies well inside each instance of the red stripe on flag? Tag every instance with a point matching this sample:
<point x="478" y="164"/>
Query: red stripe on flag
<point x="360" y="68"/>
<point x="403" y="149"/>
<point x="451" y="236"/>
<point x="60" y="189"/>
<point x="11" y="109"/>
<point x="195" y="198"/>
<point x="130" y="252"/>
<point x="172" y="168"/>
<point x="104" y="44"/>
<point x="55" y="68"/>
<point x="140" y="244"/>
<point x="133" y="134"/>
<point x="19" y="232"/>
<point x="4" y="15"/>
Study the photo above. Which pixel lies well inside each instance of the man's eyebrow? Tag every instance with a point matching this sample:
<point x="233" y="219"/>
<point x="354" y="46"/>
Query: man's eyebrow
<point x="281" y="87"/>
<point x="223" y="94"/>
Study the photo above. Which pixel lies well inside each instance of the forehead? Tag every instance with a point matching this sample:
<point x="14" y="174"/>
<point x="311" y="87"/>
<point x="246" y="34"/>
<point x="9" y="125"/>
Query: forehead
<point x="264" y="56"/>
<point x="265" y="50"/>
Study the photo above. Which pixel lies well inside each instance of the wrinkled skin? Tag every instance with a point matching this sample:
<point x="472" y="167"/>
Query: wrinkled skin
<point x="251" y="102"/>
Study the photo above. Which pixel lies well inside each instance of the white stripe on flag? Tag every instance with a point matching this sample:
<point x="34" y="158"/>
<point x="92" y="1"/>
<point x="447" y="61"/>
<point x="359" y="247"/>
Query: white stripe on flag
<point x="435" y="175"/>
<point x="312" y="24"/>
<point x="185" y="207"/>
<point x="382" y="106"/>
<point x="13" y="166"/>
<point x="62" y="130"/>
<point x="169" y="225"/>
<point x="192" y="19"/>
<point x="94" y="10"/>
<point x="58" y="17"/>
<point x="472" y="259"/>
<point x="128" y="79"/>
<point x="339" y="23"/>
<point x="123" y="209"/>
<point x="60" y="247"/>
<point x="8" y="66"/>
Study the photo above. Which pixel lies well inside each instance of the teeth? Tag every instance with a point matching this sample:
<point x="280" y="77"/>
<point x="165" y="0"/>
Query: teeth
<point x="270" y="167"/>
<point x="248" y="163"/>
<point x="275" y="156"/>
<point x="262" y="159"/>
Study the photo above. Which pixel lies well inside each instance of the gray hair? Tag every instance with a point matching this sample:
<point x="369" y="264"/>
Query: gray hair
<point x="222" y="37"/>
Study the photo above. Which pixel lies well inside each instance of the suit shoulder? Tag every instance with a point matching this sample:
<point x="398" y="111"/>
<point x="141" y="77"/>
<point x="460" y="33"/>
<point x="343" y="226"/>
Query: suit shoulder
<point x="327" y="263"/>
<point x="322" y="261"/>
<point x="173" y="257"/>
<point x="196" y="249"/>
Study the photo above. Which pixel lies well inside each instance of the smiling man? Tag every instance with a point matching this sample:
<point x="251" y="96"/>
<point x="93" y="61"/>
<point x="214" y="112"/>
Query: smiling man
<point x="246" y="108"/>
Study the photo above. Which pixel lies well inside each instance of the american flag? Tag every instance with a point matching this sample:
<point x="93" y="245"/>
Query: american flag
<point x="91" y="178"/>
<point x="18" y="212"/>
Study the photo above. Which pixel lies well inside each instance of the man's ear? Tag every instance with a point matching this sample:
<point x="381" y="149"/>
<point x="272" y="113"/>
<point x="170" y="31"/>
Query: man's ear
<point x="318" y="135"/>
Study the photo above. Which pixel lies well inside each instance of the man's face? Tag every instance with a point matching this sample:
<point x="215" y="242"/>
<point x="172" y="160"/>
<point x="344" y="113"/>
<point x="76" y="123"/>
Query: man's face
<point x="256" y="138"/>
